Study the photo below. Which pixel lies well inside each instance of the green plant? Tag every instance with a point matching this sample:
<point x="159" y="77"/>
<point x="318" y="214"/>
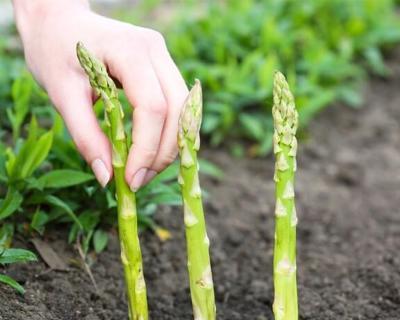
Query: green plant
<point x="21" y="93"/>
<point x="10" y="255"/>
<point x="199" y="266"/>
<point x="285" y="148"/>
<point x="127" y="215"/>
<point x="20" y="166"/>
<point x="235" y="46"/>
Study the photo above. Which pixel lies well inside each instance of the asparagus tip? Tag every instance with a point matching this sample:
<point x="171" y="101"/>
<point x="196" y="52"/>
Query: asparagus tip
<point x="96" y="71"/>
<point x="284" y="112"/>
<point x="79" y="46"/>
<point x="281" y="87"/>
<point x="190" y="119"/>
<point x="82" y="54"/>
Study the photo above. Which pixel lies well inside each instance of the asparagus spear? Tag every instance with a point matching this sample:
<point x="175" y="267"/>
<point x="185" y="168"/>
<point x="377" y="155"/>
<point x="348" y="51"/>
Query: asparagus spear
<point x="127" y="216"/>
<point x="285" y="148"/>
<point x="201" y="283"/>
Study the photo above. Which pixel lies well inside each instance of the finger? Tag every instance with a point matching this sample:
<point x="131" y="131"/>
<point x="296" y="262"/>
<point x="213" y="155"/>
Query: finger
<point x="143" y="90"/>
<point x="73" y="99"/>
<point x="175" y="92"/>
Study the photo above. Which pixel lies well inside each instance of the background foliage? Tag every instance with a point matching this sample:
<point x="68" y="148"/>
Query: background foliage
<point x="324" y="47"/>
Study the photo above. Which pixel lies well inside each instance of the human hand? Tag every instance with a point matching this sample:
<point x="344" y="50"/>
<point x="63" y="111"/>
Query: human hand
<point x="137" y="57"/>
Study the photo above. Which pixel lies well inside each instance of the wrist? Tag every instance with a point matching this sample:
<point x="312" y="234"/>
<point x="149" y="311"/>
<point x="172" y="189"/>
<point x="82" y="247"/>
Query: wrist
<point x="30" y="12"/>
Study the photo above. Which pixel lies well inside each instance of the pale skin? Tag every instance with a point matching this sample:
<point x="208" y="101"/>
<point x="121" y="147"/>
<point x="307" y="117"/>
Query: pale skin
<point x="137" y="57"/>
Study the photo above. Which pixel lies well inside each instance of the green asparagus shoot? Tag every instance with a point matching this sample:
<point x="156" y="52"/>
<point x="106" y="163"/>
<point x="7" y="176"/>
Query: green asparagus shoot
<point x="127" y="216"/>
<point x="285" y="149"/>
<point x="200" y="276"/>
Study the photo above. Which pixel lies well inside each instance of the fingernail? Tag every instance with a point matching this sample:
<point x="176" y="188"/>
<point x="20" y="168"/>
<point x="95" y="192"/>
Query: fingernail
<point x="149" y="175"/>
<point x="101" y="172"/>
<point x="138" y="178"/>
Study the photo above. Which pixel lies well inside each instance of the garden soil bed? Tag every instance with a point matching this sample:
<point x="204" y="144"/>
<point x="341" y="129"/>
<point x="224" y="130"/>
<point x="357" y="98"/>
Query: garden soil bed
<point x="348" y="192"/>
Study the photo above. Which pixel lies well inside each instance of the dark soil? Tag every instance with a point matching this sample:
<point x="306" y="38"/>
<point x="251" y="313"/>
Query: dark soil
<point x="348" y="192"/>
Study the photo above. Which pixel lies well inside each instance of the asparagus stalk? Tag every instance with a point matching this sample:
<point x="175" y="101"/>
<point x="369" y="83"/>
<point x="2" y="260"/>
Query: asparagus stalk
<point x="201" y="283"/>
<point x="285" y="149"/>
<point x="127" y="216"/>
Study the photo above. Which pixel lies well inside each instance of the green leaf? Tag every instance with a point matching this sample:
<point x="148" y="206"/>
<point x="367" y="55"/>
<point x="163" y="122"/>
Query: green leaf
<point x="315" y="104"/>
<point x="64" y="178"/>
<point x="6" y="235"/>
<point x="3" y="158"/>
<point x="63" y="150"/>
<point x="252" y="124"/>
<point x="37" y="154"/>
<point x="10" y="204"/>
<point x="158" y="184"/>
<point x="100" y="240"/>
<point x="111" y="203"/>
<point x="86" y="241"/>
<point x="350" y="96"/>
<point x="147" y="210"/>
<point x="16" y="255"/>
<point x="66" y="208"/>
<point x="11" y="158"/>
<point x="210" y="169"/>
<point x="31" y="154"/>
<point x="33" y="183"/>
<point x="210" y="123"/>
<point x="145" y="221"/>
<point x="167" y="199"/>
<point x="266" y="72"/>
<point x="170" y="173"/>
<point x="89" y="220"/>
<point x="73" y="233"/>
<point x="375" y="61"/>
<point x="265" y="145"/>
<point x="12" y="283"/>
<point x="154" y="188"/>
<point x="21" y="92"/>
<point x="39" y="221"/>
